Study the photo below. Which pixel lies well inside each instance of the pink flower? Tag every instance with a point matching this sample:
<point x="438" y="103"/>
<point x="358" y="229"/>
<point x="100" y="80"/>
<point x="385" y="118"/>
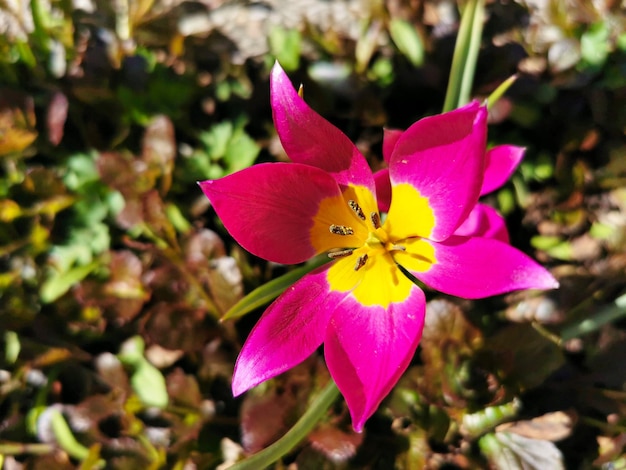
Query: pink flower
<point x="362" y="307"/>
<point x="483" y="220"/>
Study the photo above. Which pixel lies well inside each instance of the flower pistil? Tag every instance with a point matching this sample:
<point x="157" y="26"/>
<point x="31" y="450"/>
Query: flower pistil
<point x="365" y="250"/>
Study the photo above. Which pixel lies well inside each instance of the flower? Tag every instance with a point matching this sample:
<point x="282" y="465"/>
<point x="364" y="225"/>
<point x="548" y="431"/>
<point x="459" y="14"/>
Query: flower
<point x="483" y="220"/>
<point x="364" y="309"/>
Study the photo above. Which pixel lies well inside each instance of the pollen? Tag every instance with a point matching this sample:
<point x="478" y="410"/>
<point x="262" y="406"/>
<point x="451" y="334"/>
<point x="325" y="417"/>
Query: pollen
<point x="375" y="218"/>
<point x="357" y="209"/>
<point x="340" y="253"/>
<point x="360" y="262"/>
<point x="341" y="229"/>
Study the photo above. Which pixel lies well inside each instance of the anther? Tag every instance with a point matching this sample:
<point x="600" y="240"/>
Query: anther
<point x="360" y="262"/>
<point x="375" y="218"/>
<point x="357" y="209"/>
<point x="340" y="229"/>
<point x="340" y="253"/>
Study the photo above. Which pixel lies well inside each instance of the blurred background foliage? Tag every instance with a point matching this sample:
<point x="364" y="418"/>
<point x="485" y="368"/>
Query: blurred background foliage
<point x="114" y="271"/>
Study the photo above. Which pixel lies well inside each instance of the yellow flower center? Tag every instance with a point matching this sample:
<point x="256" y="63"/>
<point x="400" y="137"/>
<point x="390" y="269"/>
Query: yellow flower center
<point x="368" y="252"/>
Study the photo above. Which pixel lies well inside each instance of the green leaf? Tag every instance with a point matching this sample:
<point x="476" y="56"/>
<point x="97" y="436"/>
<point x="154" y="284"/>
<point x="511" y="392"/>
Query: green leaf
<point x="241" y="151"/>
<point x="12" y="346"/>
<point x="216" y="139"/>
<point x="408" y="40"/>
<point x="267" y="292"/>
<point x="465" y="55"/>
<point x="562" y="251"/>
<point x="500" y="91"/>
<point x="59" y="283"/>
<point x="545" y="242"/>
<point x="285" y="46"/>
<point x="177" y="219"/>
<point x="146" y="380"/>
<point x="65" y="438"/>
<point x="80" y="170"/>
<point x="621" y="42"/>
<point x="132" y="351"/>
<point x="228" y="145"/>
<point x="602" y="231"/>
<point x="594" y="44"/>
<point x="149" y="385"/>
<point x="381" y="72"/>
<point x="25" y="53"/>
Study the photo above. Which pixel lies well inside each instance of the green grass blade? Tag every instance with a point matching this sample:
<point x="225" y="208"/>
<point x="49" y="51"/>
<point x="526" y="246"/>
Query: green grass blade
<point x="610" y="313"/>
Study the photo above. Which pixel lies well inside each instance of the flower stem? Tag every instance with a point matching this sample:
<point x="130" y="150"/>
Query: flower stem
<point x="304" y="425"/>
<point x="465" y="55"/>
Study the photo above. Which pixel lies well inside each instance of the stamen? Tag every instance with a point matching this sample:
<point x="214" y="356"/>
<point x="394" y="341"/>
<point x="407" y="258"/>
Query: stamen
<point x="360" y="262"/>
<point x="398" y="248"/>
<point x="375" y="218"/>
<point x="340" y="253"/>
<point x="340" y="229"/>
<point x="357" y="209"/>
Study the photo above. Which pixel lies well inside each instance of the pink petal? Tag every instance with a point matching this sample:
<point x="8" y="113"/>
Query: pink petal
<point x="289" y="331"/>
<point x="383" y="189"/>
<point x="474" y="268"/>
<point x="443" y="158"/>
<point x="367" y="349"/>
<point x="390" y="139"/>
<point x="501" y="163"/>
<point x="269" y="208"/>
<point x="484" y="221"/>
<point x="310" y="139"/>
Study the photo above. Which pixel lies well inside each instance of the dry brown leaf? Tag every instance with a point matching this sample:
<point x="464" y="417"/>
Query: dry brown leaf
<point x="17" y="122"/>
<point x="550" y="427"/>
<point x="183" y="389"/>
<point x="335" y="444"/>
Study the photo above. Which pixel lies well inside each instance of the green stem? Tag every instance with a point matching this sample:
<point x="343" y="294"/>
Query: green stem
<point x="476" y="35"/>
<point x="465" y="55"/>
<point x="298" y="432"/>
<point x="543" y="331"/>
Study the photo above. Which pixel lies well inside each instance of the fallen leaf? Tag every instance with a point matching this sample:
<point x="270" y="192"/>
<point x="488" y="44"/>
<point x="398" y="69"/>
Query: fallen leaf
<point x="515" y="452"/>
<point x="550" y="427"/>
